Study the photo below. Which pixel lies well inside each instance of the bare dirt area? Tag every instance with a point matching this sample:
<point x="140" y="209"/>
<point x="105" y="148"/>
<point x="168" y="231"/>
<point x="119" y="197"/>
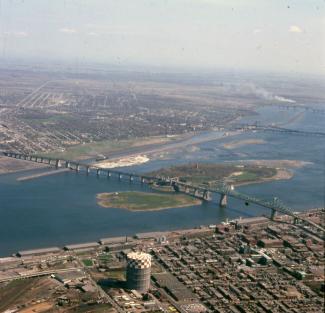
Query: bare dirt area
<point x="37" y="308"/>
<point x="25" y="291"/>
<point x="10" y="165"/>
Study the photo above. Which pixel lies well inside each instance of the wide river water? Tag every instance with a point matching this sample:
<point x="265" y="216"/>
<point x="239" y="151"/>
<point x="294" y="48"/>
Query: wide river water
<point x="61" y="209"/>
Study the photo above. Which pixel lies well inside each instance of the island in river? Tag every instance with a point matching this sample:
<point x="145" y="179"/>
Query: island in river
<point x="202" y="174"/>
<point x="235" y="174"/>
<point x="145" y="201"/>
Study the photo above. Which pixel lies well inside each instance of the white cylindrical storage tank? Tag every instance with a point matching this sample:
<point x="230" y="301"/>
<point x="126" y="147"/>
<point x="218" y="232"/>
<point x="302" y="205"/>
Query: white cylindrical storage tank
<point x="138" y="271"/>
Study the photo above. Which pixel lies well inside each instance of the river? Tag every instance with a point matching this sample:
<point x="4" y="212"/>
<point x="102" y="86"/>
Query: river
<point x="61" y="209"/>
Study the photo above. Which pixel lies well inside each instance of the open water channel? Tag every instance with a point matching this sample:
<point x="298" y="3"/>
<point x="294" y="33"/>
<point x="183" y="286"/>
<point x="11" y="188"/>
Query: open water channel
<point x="60" y="209"/>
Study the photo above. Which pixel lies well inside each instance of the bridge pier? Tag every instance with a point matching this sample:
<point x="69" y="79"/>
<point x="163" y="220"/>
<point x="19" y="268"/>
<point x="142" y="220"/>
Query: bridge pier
<point x="130" y="178"/>
<point x="175" y="186"/>
<point x="223" y="201"/>
<point x="67" y="164"/>
<point x="87" y="170"/>
<point x="98" y="172"/>
<point x="57" y="163"/>
<point x="108" y="174"/>
<point x="77" y="167"/>
<point x="196" y="193"/>
<point x="142" y="180"/>
<point x="120" y="176"/>
<point x="207" y="195"/>
<point x="273" y="214"/>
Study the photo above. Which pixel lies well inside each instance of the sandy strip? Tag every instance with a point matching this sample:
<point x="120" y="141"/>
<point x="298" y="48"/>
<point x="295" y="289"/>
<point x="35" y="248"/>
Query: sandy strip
<point x="123" y="162"/>
<point x="241" y="143"/>
<point x="278" y="163"/>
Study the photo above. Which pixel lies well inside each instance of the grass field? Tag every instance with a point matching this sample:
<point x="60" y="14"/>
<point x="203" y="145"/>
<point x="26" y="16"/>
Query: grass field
<point x="142" y="201"/>
<point x="89" y="150"/>
<point x="87" y="262"/>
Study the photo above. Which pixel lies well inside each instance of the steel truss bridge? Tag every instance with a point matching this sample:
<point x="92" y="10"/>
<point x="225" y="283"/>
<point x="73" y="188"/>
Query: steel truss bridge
<point x="200" y="191"/>
<point x="270" y="128"/>
<point x="296" y="107"/>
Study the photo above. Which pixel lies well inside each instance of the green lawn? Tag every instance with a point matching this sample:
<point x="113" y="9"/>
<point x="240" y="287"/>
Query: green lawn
<point x="140" y="201"/>
<point x="87" y="262"/>
<point x="92" y="149"/>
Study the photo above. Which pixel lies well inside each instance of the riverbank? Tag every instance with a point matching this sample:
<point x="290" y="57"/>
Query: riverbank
<point x="168" y="234"/>
<point x="112" y="148"/>
<point x="11" y="165"/>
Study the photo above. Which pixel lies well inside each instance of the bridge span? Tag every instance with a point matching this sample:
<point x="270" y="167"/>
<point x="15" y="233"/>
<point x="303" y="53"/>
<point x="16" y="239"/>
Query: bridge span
<point x="199" y="191"/>
<point x="276" y="129"/>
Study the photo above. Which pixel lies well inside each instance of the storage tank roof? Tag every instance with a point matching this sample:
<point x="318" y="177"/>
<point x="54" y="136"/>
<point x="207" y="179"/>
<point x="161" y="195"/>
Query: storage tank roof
<point x="139" y="260"/>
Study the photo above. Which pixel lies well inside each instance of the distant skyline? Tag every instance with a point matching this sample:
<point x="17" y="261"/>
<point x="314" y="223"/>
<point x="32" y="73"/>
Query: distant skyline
<point x="266" y="35"/>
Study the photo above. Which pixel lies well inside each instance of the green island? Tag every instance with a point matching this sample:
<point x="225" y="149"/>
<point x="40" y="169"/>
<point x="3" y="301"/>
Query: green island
<point x="209" y="173"/>
<point x="145" y="201"/>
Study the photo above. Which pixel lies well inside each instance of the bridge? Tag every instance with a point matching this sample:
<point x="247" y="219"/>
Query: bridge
<point x="203" y="192"/>
<point x="296" y="107"/>
<point x="270" y="128"/>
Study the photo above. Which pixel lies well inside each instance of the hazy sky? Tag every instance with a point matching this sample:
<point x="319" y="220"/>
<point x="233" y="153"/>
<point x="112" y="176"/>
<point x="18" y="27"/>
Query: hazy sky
<point x="258" y="34"/>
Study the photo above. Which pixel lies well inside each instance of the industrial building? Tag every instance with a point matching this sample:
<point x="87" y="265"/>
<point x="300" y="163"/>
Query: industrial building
<point x="138" y="271"/>
<point x="41" y="251"/>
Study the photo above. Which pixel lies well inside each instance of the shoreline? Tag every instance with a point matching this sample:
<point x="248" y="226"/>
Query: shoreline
<point x="282" y="174"/>
<point x="172" y="233"/>
<point x="174" y="142"/>
<point x="9" y="165"/>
